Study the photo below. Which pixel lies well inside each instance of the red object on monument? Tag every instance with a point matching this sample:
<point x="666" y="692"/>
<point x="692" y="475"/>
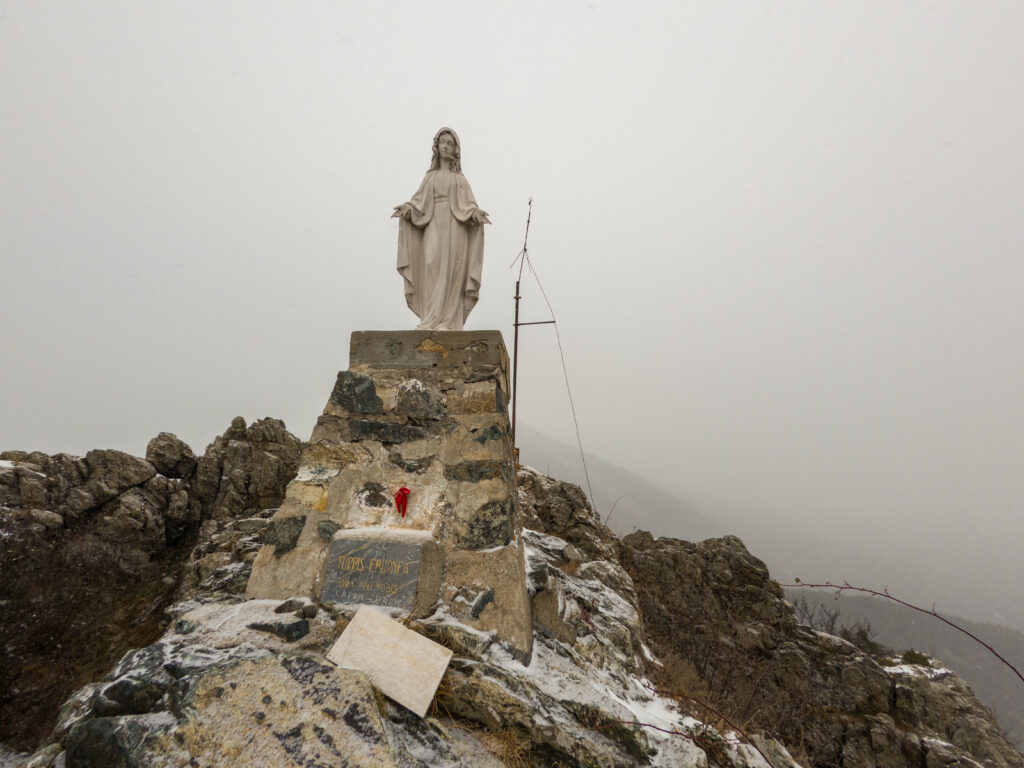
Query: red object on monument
<point x="401" y="500"/>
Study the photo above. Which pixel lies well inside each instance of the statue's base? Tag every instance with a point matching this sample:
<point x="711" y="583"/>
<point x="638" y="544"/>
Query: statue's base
<point x="426" y="411"/>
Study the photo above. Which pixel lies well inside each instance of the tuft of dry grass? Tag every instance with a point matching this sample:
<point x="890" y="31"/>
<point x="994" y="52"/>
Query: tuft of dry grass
<point x="509" y="745"/>
<point x="445" y="692"/>
<point x="677" y="673"/>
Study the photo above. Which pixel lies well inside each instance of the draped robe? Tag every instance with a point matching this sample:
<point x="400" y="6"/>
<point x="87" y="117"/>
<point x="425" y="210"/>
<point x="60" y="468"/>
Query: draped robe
<point x="441" y="252"/>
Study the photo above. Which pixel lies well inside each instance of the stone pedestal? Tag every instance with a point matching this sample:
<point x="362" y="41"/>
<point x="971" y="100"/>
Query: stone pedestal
<point x="427" y="411"/>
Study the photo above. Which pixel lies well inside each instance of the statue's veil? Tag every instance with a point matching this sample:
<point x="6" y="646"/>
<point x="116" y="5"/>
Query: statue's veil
<point x="435" y="160"/>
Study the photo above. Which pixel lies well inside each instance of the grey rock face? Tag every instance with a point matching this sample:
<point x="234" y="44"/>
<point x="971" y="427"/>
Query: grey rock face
<point x="356" y="393"/>
<point x="561" y="509"/>
<point x="47" y="518"/>
<point x="419" y="401"/>
<point x="91" y="552"/>
<point x="246" y="469"/>
<point x="715" y="606"/>
<point x="9" y="758"/>
<point x="218" y="567"/>
<point x="171" y="456"/>
<point x="289" y="630"/>
<point x="83" y="544"/>
<point x="385" y="432"/>
<point x="177" y="703"/>
<point x="283" y="533"/>
<point x="235" y="682"/>
<point x="475" y="471"/>
<point x="205" y="691"/>
<point x="172" y="703"/>
<point x="490" y="527"/>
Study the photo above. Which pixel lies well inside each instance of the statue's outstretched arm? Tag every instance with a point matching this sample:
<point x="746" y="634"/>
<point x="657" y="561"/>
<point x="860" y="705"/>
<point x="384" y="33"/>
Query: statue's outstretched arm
<point x="403" y="211"/>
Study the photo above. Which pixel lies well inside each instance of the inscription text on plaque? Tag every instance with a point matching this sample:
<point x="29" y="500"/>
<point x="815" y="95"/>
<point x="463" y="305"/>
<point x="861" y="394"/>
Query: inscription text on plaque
<point x="372" y="572"/>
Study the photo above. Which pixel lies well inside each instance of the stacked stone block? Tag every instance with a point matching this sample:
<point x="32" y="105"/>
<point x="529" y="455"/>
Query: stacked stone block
<point x="428" y="411"/>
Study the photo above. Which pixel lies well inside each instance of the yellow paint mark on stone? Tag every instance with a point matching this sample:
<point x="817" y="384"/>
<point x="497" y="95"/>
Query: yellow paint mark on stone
<point x="330" y="456"/>
<point x="429" y="345"/>
<point x="312" y="496"/>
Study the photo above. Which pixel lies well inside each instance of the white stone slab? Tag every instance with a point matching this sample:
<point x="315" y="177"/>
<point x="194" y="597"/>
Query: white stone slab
<point x="412" y="535"/>
<point x="402" y="664"/>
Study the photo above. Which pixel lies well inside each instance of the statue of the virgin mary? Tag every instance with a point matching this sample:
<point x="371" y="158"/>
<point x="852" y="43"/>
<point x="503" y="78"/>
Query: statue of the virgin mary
<point x="441" y="241"/>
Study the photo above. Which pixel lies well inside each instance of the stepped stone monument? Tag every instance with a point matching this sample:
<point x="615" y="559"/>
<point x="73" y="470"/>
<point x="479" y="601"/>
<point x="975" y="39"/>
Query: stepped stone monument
<point x="421" y="416"/>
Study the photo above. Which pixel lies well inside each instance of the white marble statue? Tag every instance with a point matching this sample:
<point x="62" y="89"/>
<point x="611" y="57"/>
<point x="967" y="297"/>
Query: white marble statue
<point x="441" y="242"/>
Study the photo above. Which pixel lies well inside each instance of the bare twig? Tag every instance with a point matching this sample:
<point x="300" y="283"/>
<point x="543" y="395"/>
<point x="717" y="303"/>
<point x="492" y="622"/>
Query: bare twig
<point x="711" y="709"/>
<point x="847" y="587"/>
<point x="609" y="515"/>
<point x="653" y="727"/>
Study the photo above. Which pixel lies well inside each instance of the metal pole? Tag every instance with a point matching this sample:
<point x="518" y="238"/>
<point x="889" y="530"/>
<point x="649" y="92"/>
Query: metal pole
<point x="515" y="343"/>
<point x="515" y="365"/>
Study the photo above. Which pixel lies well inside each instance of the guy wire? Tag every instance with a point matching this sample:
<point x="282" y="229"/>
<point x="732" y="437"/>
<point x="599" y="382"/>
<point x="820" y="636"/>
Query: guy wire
<point x="565" y="372"/>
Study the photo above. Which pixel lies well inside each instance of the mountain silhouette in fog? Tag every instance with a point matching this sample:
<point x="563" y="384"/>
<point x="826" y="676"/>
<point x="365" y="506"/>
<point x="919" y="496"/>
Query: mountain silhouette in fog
<point x="633" y="502"/>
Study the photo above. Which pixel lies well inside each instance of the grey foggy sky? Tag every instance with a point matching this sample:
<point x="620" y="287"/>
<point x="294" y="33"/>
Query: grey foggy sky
<point x="783" y="239"/>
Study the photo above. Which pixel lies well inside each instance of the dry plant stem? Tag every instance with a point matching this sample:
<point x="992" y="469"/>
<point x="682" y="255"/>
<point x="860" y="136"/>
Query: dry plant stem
<point x="847" y="587"/>
<point x="728" y="722"/>
<point x="688" y="736"/>
<point x="725" y="719"/>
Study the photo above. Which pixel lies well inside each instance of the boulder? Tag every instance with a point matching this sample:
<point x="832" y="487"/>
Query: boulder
<point x="171" y="456"/>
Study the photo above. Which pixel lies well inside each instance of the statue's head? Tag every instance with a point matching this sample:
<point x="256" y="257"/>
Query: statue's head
<point x="435" y="161"/>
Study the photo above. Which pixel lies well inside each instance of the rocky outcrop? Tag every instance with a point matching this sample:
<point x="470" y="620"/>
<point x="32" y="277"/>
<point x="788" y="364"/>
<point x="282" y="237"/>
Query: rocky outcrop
<point x="214" y="691"/>
<point x="712" y="609"/>
<point x="245" y="682"/>
<point x="561" y="509"/>
<point x="234" y="682"/>
<point x="254" y="466"/>
<point x="219" y="689"/>
<point x="85" y="545"/>
<point x="725" y="635"/>
<point x="931" y="698"/>
<point x="886" y="624"/>
<point x="246" y="469"/>
<point x="92" y="551"/>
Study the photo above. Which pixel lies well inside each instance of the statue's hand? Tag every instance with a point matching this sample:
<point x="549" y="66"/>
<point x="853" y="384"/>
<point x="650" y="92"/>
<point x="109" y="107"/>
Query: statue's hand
<point x="480" y="217"/>
<point x="403" y="211"/>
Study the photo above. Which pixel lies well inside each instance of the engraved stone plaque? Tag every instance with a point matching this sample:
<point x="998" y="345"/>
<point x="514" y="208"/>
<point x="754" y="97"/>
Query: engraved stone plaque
<point x="372" y="572"/>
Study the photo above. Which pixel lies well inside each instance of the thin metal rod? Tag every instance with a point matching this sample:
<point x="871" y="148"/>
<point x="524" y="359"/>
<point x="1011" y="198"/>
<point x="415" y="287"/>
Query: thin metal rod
<point x="515" y="362"/>
<point x="539" y="322"/>
<point x="521" y="258"/>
